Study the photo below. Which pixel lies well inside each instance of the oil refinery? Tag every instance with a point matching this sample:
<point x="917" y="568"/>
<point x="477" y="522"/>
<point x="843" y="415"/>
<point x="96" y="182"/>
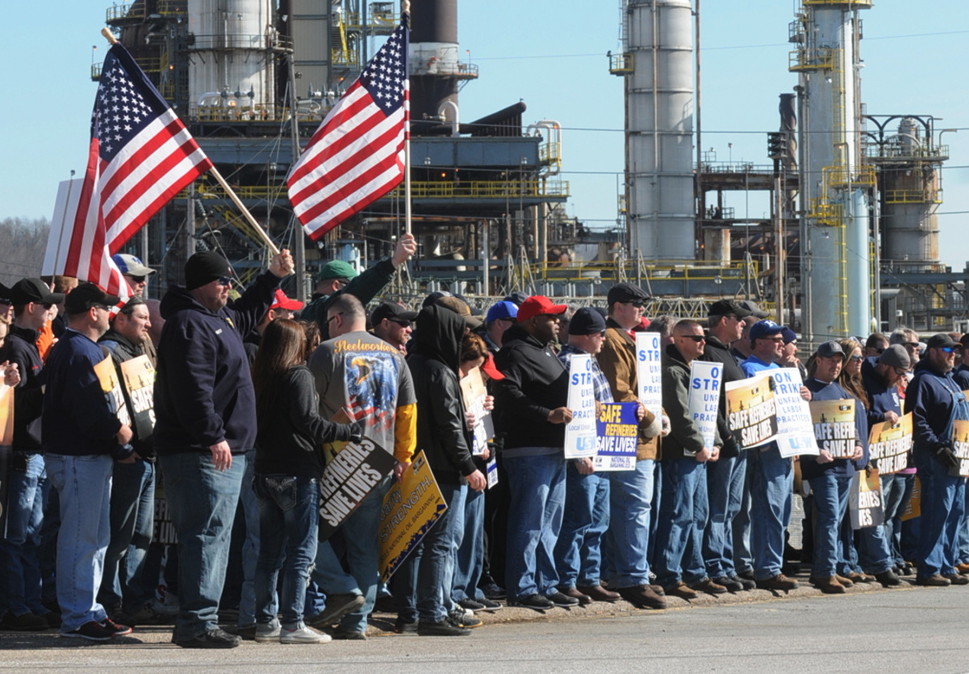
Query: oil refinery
<point x="850" y="243"/>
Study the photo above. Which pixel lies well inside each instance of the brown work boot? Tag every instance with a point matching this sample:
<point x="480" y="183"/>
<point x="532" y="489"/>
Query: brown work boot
<point x="708" y="586"/>
<point x="598" y="593"/>
<point x="935" y="580"/>
<point x="778" y="582"/>
<point x="681" y="590"/>
<point x="828" y="585"/>
<point x="847" y="582"/>
<point x="584" y="599"/>
<point x="642" y="596"/>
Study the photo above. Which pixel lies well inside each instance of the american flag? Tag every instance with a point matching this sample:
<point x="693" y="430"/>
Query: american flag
<point x="140" y="156"/>
<point x="357" y="154"/>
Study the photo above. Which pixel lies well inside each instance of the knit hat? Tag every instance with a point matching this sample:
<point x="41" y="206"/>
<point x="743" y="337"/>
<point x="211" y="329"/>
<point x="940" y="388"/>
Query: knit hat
<point x="587" y="321"/>
<point x="204" y="268"/>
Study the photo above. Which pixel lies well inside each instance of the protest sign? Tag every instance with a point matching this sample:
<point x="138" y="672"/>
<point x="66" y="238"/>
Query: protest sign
<point x="580" y="433"/>
<point x="751" y="410"/>
<point x="913" y="508"/>
<point x="795" y="428"/>
<point x="409" y="510"/>
<point x="649" y="371"/>
<point x="865" y="500"/>
<point x="139" y="382"/>
<point x="960" y="445"/>
<point x="704" y="402"/>
<point x="834" y="426"/>
<point x="111" y="386"/>
<point x="474" y="393"/>
<point x="348" y="479"/>
<point x="889" y="446"/>
<point x="617" y="434"/>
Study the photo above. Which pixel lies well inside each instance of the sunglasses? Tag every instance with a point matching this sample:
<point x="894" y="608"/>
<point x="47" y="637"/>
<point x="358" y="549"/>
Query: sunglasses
<point x="947" y="349"/>
<point x="224" y="281"/>
<point x="879" y="351"/>
<point x="402" y="323"/>
<point x="333" y="317"/>
<point x="695" y="338"/>
<point x="639" y="304"/>
<point x="856" y="359"/>
<point x="138" y="279"/>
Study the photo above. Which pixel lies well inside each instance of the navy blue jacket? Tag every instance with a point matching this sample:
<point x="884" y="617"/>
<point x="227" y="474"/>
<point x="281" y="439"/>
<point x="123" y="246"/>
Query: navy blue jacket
<point x="810" y="468"/>
<point x="77" y="420"/>
<point x="203" y="388"/>
<point x="881" y="397"/>
<point x="930" y="397"/>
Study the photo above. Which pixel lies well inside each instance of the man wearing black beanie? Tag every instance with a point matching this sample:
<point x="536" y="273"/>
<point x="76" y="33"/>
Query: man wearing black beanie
<point x="205" y="422"/>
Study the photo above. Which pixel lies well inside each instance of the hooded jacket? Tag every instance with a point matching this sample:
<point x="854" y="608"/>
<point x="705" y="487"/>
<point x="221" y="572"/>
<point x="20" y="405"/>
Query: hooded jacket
<point x="203" y="388"/>
<point x="810" y="468"/>
<point x="434" y="357"/>
<point x="716" y="351"/>
<point x="930" y="397"/>
<point x="21" y="348"/>
<point x="535" y="383"/>
<point x="123" y="349"/>
<point x="684" y="440"/>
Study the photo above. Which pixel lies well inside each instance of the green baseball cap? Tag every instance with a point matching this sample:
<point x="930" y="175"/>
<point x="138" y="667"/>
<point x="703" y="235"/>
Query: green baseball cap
<point x="337" y="269"/>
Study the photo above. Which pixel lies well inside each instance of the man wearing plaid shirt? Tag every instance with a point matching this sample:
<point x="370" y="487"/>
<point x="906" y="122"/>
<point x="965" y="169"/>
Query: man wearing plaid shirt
<point x="578" y="551"/>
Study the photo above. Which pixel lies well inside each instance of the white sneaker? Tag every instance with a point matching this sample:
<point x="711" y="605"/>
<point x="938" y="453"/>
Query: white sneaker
<point x="301" y="634"/>
<point x="267" y="631"/>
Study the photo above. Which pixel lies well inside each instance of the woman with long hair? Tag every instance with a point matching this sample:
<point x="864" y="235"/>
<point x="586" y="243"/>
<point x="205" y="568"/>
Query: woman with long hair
<point x="289" y="465"/>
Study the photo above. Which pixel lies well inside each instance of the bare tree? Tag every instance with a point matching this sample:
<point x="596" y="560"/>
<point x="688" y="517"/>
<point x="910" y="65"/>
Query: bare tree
<point x="22" y="245"/>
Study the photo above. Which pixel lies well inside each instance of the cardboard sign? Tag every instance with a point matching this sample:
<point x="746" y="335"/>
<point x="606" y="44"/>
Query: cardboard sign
<point x="704" y="403"/>
<point x="617" y="436"/>
<point x="111" y="386"/>
<point x="649" y="371"/>
<point x="348" y="479"/>
<point x="913" y="508"/>
<point x="865" y="500"/>
<point x="580" y="433"/>
<point x="752" y="410"/>
<point x="474" y="393"/>
<point x="795" y="428"/>
<point x="889" y="446"/>
<point x="960" y="445"/>
<point x="139" y="381"/>
<point x="834" y="426"/>
<point x="410" y="509"/>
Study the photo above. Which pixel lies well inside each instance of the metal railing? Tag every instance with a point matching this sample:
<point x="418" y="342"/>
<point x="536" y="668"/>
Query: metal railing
<point x="914" y="196"/>
<point x="621" y="64"/>
<point x="486" y="189"/>
<point x="807" y="58"/>
<point x="135" y="11"/>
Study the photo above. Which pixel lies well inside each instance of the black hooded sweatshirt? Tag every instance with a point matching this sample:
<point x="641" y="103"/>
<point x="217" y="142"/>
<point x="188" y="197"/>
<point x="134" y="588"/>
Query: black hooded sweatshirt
<point x="434" y="357"/>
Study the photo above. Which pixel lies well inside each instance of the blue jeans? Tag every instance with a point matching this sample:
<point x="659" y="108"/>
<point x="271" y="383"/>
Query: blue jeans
<point x="830" y="504"/>
<point x="132" y="524"/>
<point x="682" y="515"/>
<point x="537" y="488"/>
<point x="874" y="544"/>
<point x="360" y="534"/>
<point x="894" y="499"/>
<point x="435" y="576"/>
<point x="738" y="514"/>
<point x="83" y="484"/>
<point x="21" y="580"/>
<point x="470" y="557"/>
<point x="202" y="501"/>
<point x="251" y="511"/>
<point x="718" y="534"/>
<point x="288" y="522"/>
<point x="771" y="482"/>
<point x="578" y="552"/>
<point x="943" y="506"/>
<point x="626" y="542"/>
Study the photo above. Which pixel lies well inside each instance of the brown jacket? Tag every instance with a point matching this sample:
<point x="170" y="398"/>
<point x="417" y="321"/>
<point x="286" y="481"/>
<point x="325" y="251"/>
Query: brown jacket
<point x="617" y="360"/>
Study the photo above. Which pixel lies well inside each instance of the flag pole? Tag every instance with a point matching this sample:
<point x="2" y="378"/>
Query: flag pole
<point x="109" y="36"/>
<point x="407" y="184"/>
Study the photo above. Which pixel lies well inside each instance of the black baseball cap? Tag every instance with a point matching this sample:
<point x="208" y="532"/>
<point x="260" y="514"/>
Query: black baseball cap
<point x="393" y="311"/>
<point x="941" y="340"/>
<point x="88" y="295"/>
<point x="626" y="292"/>
<point x="727" y="307"/>
<point x="587" y="321"/>
<point x="34" y="290"/>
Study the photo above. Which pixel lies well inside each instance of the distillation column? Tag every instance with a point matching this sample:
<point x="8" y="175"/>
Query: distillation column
<point x="835" y="184"/>
<point x="659" y="129"/>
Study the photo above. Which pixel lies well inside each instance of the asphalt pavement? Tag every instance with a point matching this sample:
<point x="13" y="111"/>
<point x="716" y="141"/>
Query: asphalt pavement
<point x="869" y="629"/>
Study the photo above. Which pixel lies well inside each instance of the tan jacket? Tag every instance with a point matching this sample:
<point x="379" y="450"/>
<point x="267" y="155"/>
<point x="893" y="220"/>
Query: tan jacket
<point x="617" y="360"/>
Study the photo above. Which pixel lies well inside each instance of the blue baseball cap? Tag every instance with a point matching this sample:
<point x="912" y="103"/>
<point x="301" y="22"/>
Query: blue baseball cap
<point x="504" y="309"/>
<point x="765" y="328"/>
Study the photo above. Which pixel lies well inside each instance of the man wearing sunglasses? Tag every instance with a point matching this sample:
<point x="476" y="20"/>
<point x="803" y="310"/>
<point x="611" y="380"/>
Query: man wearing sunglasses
<point x="135" y="272"/>
<point x="31" y="299"/>
<point x="205" y="423"/>
<point x="936" y="401"/>
<point x="393" y="324"/>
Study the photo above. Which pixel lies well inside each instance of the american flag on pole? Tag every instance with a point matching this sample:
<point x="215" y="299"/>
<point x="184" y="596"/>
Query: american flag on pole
<point x="140" y="156"/>
<point x="357" y="154"/>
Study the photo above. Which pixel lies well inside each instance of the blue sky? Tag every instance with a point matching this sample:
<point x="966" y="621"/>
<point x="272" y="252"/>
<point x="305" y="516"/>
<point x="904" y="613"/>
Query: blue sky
<point x="551" y="54"/>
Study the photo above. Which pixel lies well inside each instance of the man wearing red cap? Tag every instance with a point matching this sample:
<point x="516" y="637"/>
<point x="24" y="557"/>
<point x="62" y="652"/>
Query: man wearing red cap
<point x="531" y="412"/>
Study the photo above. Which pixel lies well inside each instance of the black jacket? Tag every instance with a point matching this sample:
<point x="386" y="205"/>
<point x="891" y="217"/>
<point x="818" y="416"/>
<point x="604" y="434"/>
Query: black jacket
<point x="716" y="351"/>
<point x="292" y="432"/>
<point x="684" y="440"/>
<point x="535" y="383"/>
<point x="21" y="348"/>
<point x="433" y="361"/>
<point x="203" y="389"/>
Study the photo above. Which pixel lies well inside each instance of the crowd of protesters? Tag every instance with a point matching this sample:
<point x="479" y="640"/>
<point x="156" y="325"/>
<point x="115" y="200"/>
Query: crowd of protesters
<point x="253" y="394"/>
